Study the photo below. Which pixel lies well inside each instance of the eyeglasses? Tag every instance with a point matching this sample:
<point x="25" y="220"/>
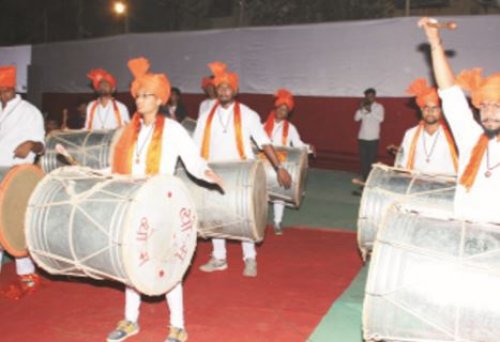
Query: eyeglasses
<point x="144" y="96"/>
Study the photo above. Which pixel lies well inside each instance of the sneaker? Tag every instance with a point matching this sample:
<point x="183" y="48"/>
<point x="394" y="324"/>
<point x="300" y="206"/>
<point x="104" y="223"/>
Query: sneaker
<point x="250" y="268"/>
<point x="278" y="229"/>
<point x="214" y="265"/>
<point x="123" y="330"/>
<point x="177" y="335"/>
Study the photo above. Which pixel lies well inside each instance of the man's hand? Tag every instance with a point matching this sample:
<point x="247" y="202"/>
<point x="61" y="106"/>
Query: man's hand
<point x="24" y="149"/>
<point x="431" y="31"/>
<point x="214" y="178"/>
<point x="392" y="149"/>
<point x="284" y="178"/>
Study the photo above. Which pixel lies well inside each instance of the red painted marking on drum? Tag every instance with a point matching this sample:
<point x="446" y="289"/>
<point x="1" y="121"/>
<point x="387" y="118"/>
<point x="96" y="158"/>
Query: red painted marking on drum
<point x="182" y="252"/>
<point x="169" y="194"/>
<point x="144" y="231"/>
<point x="186" y="219"/>
<point x="143" y="258"/>
<point x="161" y="274"/>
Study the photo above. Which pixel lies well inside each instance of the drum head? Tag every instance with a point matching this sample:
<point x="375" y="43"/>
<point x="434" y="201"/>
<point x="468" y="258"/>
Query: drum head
<point x="15" y="190"/>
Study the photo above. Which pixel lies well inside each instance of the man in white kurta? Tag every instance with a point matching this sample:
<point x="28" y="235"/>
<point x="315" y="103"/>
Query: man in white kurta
<point x="223" y="146"/>
<point x="478" y="188"/>
<point x="211" y="96"/>
<point x="105" y="112"/>
<point x="21" y="139"/>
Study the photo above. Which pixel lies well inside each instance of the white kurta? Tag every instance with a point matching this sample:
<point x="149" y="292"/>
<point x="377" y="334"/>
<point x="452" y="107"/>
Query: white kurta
<point x="206" y="105"/>
<point x="223" y="138"/>
<point x="432" y="154"/>
<point x="20" y="121"/>
<point x="481" y="202"/>
<point x="104" y="116"/>
<point x="292" y="139"/>
<point x="370" y="122"/>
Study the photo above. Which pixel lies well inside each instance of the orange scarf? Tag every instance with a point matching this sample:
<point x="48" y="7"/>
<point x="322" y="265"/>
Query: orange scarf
<point x="470" y="173"/>
<point x="115" y="110"/>
<point x="451" y="144"/>
<point x="124" y="150"/>
<point x="269" y="126"/>
<point x="205" y="147"/>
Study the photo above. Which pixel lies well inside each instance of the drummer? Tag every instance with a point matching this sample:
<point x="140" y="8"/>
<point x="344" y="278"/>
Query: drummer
<point x="105" y="112"/>
<point x="282" y="133"/>
<point x="428" y="147"/>
<point x="208" y="88"/>
<point x="477" y="195"/>
<point x="21" y="140"/>
<point x="151" y="144"/>
<point x="223" y="133"/>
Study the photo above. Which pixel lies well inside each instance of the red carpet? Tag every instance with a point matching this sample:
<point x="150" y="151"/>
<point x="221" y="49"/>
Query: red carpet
<point x="300" y="274"/>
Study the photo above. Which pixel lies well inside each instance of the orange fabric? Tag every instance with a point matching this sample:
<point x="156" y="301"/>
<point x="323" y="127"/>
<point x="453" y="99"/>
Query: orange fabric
<point x="207" y="133"/>
<point x="413" y="147"/>
<point x="283" y="96"/>
<point x="269" y="126"/>
<point x="98" y="75"/>
<point x="115" y="110"/>
<point x="469" y="176"/>
<point x="482" y="89"/>
<point x="157" y="84"/>
<point x="423" y="92"/>
<point x="8" y="76"/>
<point x="451" y="145"/>
<point x="282" y="155"/>
<point x="205" y="82"/>
<point x="124" y="150"/>
<point x="221" y="75"/>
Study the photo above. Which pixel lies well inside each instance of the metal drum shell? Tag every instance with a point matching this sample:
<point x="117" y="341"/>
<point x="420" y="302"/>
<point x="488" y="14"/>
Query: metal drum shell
<point x="138" y="231"/>
<point x="433" y="277"/>
<point x="386" y="185"/>
<point x="240" y="213"/>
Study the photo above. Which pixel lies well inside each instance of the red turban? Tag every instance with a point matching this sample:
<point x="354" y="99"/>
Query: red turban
<point x="8" y="76"/>
<point x="98" y="75"/>
<point x="219" y="70"/>
<point x="283" y="96"/>
<point x="423" y="92"/>
<point x="157" y="84"/>
<point x="482" y="89"/>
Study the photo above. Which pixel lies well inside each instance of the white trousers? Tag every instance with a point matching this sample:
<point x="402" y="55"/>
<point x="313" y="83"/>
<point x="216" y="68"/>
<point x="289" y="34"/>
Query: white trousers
<point x="279" y="210"/>
<point x="24" y="265"/>
<point x="175" y="305"/>
<point x="219" y="249"/>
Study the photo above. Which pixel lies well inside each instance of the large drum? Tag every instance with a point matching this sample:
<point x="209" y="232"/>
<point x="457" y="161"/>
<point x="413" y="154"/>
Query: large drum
<point x="295" y="161"/>
<point x="240" y="213"/>
<point x="17" y="184"/>
<point x="92" y="149"/>
<point x="433" y="278"/>
<point x="138" y="231"/>
<point x="385" y="185"/>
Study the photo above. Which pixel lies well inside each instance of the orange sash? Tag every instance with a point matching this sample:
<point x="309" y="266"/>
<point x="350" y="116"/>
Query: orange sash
<point x="115" y="110"/>
<point x="124" y="150"/>
<point x="413" y="147"/>
<point x="469" y="176"/>
<point x="205" y="147"/>
<point x="269" y="126"/>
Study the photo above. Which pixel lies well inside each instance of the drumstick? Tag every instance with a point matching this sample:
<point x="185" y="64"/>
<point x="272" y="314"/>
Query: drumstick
<point x="62" y="151"/>
<point x="357" y="181"/>
<point x="448" y="25"/>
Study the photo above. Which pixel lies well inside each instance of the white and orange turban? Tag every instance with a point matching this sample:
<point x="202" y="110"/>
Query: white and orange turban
<point x="283" y="96"/>
<point x="206" y="81"/>
<point x="157" y="84"/>
<point x="98" y="75"/>
<point x="8" y="76"/>
<point x="481" y="89"/>
<point x="423" y="92"/>
<point x="221" y="75"/>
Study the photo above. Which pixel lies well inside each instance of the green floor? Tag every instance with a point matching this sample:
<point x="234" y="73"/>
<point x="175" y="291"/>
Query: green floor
<point x="329" y="203"/>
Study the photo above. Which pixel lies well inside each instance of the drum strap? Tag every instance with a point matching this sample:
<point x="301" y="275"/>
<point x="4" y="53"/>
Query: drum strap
<point x="469" y="176"/>
<point x="116" y="111"/>
<point x="205" y="147"/>
<point x="269" y="126"/>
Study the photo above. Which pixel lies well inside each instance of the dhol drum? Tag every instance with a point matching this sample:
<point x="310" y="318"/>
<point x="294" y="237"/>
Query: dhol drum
<point x="240" y="213"/>
<point x="190" y="125"/>
<point x="17" y="184"/>
<point x="138" y="231"/>
<point x="92" y="149"/>
<point x="295" y="161"/>
<point x="433" y="278"/>
<point x="386" y="185"/>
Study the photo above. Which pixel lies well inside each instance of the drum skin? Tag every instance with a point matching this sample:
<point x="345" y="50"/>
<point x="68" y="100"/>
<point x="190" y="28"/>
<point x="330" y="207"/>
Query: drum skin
<point x="138" y="231"/>
<point x="240" y="212"/>
<point x="386" y="185"/>
<point x="17" y="184"/>
<point x="433" y="277"/>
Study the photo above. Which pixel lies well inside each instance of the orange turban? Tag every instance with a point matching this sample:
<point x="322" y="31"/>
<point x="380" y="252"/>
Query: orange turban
<point x="98" y="75"/>
<point x="219" y="70"/>
<point x="205" y="82"/>
<point x="482" y="89"/>
<point x="283" y="96"/>
<point x="8" y="76"/>
<point x="157" y="84"/>
<point x="423" y="92"/>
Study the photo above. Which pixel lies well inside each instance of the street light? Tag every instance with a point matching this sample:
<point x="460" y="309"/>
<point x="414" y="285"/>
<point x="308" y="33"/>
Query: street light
<point x="120" y="8"/>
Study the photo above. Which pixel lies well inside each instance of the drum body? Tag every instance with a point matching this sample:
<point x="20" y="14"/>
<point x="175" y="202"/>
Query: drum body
<point x="190" y="125"/>
<point x="295" y="161"/>
<point x="17" y="184"/>
<point x="139" y="231"/>
<point x="386" y="185"/>
<point x="240" y="213"/>
<point x="433" y="278"/>
<point x="92" y="149"/>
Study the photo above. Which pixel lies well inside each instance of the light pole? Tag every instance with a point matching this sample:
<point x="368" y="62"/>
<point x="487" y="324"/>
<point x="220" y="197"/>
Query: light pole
<point x="120" y="8"/>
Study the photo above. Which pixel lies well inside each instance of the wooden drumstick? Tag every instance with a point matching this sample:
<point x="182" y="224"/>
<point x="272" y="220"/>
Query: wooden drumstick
<point x="448" y="25"/>
<point x="357" y="181"/>
<point x="62" y="151"/>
